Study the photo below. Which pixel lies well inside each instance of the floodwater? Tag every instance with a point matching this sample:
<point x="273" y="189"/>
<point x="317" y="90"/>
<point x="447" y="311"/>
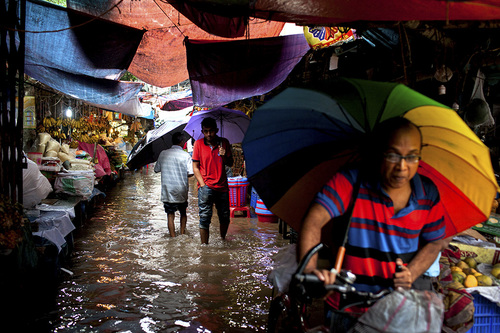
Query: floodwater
<point x="129" y="275"/>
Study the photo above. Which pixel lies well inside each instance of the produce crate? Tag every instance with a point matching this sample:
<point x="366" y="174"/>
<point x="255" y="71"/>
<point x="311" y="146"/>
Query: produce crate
<point x="487" y="255"/>
<point x="486" y="316"/>
<point x="491" y="226"/>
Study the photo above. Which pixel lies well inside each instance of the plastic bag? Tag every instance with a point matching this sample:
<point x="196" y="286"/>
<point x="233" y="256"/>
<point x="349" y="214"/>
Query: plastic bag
<point x="403" y="311"/>
<point x="36" y="186"/>
<point x="75" y="183"/>
<point x="285" y="264"/>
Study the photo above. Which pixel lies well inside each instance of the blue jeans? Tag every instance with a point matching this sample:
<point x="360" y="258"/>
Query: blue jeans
<point x="207" y="197"/>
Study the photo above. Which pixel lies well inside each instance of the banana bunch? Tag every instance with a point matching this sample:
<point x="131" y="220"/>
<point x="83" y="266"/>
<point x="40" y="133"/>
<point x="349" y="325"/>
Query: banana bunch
<point x="69" y="122"/>
<point x="136" y="126"/>
<point x="49" y="122"/>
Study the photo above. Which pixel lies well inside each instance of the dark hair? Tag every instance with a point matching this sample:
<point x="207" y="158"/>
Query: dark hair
<point x="208" y="122"/>
<point x="177" y="138"/>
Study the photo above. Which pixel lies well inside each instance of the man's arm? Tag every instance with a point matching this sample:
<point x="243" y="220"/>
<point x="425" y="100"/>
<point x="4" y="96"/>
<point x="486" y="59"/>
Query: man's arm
<point x="226" y="154"/>
<point x="310" y="235"/>
<point x="424" y="258"/>
<point x="197" y="173"/>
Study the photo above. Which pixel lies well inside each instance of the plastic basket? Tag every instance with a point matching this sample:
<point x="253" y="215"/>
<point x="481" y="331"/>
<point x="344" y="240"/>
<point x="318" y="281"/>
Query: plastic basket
<point x="486" y="316"/>
<point x="237" y="195"/>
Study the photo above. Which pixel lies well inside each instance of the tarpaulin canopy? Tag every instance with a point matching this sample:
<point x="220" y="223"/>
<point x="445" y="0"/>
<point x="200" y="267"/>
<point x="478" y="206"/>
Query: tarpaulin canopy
<point x="161" y="57"/>
<point x="81" y="60"/>
<point x="108" y="94"/>
<point x="329" y="13"/>
<point x="223" y="72"/>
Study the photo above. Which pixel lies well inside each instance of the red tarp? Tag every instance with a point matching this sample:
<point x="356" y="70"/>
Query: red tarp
<point x="161" y="57"/>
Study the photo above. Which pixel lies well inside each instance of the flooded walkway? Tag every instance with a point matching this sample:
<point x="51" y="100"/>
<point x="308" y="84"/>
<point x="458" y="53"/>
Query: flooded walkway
<point x="131" y="276"/>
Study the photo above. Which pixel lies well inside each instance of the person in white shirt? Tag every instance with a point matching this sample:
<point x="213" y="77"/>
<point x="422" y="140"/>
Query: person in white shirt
<point x="175" y="166"/>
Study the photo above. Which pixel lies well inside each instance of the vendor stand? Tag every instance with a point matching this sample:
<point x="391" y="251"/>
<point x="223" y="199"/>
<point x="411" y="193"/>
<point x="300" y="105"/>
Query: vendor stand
<point x="479" y="243"/>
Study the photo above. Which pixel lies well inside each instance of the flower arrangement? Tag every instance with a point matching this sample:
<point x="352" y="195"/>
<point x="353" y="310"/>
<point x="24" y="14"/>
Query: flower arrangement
<point x="11" y="223"/>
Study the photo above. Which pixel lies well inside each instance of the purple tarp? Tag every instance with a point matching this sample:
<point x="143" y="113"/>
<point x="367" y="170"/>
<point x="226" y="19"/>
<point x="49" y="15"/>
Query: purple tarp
<point x="223" y="72"/>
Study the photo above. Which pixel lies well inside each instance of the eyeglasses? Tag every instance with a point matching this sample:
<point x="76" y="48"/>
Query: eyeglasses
<point x="396" y="158"/>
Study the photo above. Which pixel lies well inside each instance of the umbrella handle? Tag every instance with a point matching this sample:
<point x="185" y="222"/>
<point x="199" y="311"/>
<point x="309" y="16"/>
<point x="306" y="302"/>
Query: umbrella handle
<point x="340" y="258"/>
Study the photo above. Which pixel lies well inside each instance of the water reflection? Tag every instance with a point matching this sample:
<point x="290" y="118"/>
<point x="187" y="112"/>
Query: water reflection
<point x="130" y="276"/>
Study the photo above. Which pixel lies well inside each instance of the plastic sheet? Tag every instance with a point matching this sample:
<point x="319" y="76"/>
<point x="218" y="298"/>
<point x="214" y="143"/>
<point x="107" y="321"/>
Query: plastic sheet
<point x="403" y="311"/>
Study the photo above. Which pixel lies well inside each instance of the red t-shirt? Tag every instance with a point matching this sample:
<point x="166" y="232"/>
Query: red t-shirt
<point x="212" y="167"/>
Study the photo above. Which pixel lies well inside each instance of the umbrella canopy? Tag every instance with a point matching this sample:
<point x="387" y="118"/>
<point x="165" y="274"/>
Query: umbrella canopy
<point x="310" y="134"/>
<point x="232" y="124"/>
<point x="149" y="148"/>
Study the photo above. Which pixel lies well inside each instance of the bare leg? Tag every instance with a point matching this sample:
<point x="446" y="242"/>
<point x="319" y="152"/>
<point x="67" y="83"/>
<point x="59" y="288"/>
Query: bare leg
<point x="183" y="224"/>
<point x="171" y="225"/>
<point x="223" y="230"/>
<point x="204" y="236"/>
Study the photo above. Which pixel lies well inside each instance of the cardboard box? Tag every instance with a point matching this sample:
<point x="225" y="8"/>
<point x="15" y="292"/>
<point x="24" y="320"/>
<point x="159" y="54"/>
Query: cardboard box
<point x="486" y="255"/>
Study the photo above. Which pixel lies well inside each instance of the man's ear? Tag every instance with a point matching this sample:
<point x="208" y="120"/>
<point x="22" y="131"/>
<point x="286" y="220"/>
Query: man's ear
<point x="216" y="130"/>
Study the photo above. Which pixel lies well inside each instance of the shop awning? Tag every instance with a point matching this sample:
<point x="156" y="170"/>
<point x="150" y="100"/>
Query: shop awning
<point x="81" y="57"/>
<point x="224" y="72"/>
<point x="161" y="57"/>
<point x="331" y="13"/>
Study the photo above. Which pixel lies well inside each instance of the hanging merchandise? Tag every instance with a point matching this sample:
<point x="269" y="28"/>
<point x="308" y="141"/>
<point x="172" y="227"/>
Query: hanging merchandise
<point x="29" y="121"/>
<point x="321" y="37"/>
<point x="477" y="112"/>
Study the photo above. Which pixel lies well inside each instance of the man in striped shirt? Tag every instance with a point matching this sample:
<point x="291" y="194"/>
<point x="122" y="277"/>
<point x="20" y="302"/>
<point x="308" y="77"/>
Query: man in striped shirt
<point x="397" y="219"/>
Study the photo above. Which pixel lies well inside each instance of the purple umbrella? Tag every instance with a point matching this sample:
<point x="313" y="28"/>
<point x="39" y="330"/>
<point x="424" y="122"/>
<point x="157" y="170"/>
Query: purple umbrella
<point x="232" y="124"/>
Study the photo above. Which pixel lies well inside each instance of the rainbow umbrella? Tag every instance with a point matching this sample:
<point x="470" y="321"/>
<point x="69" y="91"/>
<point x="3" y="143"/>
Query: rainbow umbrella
<point x="297" y="140"/>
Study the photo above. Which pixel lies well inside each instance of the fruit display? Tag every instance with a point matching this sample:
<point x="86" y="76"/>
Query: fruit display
<point x="465" y="272"/>
<point x="85" y="129"/>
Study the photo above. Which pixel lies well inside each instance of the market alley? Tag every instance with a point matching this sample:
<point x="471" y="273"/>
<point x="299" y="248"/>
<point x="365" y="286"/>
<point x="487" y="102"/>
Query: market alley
<point x="130" y="276"/>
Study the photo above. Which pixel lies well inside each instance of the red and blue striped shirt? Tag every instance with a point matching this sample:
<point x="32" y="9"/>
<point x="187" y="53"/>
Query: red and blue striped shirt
<point x="377" y="236"/>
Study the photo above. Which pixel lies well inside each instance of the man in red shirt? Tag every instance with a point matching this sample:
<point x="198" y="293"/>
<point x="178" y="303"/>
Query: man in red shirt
<point x="210" y="156"/>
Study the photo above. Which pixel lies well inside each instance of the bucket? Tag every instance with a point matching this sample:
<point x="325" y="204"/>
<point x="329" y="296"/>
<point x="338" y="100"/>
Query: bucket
<point x="263" y="214"/>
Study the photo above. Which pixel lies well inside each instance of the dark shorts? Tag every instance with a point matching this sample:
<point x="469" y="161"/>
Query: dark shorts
<point x="171" y="208"/>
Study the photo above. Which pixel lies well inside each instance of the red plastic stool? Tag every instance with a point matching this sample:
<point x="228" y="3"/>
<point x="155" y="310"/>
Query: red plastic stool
<point x="239" y="209"/>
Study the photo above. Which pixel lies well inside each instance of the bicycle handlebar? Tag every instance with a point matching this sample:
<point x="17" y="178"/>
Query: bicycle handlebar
<point x="307" y="286"/>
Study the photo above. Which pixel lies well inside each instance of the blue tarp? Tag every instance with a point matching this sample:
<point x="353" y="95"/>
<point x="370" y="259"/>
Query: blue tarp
<point x="85" y="59"/>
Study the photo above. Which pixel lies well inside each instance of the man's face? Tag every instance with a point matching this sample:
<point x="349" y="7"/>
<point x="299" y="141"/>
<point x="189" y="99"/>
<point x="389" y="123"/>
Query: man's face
<point x="209" y="133"/>
<point x="397" y="175"/>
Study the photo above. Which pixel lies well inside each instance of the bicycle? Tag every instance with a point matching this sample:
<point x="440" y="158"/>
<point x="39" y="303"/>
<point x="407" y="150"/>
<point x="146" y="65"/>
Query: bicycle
<point x="289" y="311"/>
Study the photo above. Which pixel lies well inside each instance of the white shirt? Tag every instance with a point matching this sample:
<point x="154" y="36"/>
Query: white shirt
<point x="175" y="166"/>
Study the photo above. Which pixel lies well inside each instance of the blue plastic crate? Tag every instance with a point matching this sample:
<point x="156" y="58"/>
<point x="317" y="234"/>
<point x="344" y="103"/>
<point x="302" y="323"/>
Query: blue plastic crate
<point x="486" y="316"/>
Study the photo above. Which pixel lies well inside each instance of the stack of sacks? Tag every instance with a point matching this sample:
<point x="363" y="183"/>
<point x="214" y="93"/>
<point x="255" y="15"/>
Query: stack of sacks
<point x="41" y="142"/>
<point x="51" y="148"/>
<point x="80" y="164"/>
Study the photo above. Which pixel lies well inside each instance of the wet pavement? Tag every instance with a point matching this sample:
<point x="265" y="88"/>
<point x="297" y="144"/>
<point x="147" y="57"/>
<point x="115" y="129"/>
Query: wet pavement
<point x="129" y="275"/>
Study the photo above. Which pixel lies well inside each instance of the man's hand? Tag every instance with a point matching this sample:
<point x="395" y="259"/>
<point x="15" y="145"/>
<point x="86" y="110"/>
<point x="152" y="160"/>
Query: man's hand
<point x="328" y="277"/>
<point x="402" y="278"/>
<point x="222" y="151"/>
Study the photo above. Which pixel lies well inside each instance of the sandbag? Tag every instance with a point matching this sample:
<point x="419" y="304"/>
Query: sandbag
<point x="36" y="186"/>
<point x="52" y="145"/>
<point x="43" y="138"/>
<point x="65" y="148"/>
